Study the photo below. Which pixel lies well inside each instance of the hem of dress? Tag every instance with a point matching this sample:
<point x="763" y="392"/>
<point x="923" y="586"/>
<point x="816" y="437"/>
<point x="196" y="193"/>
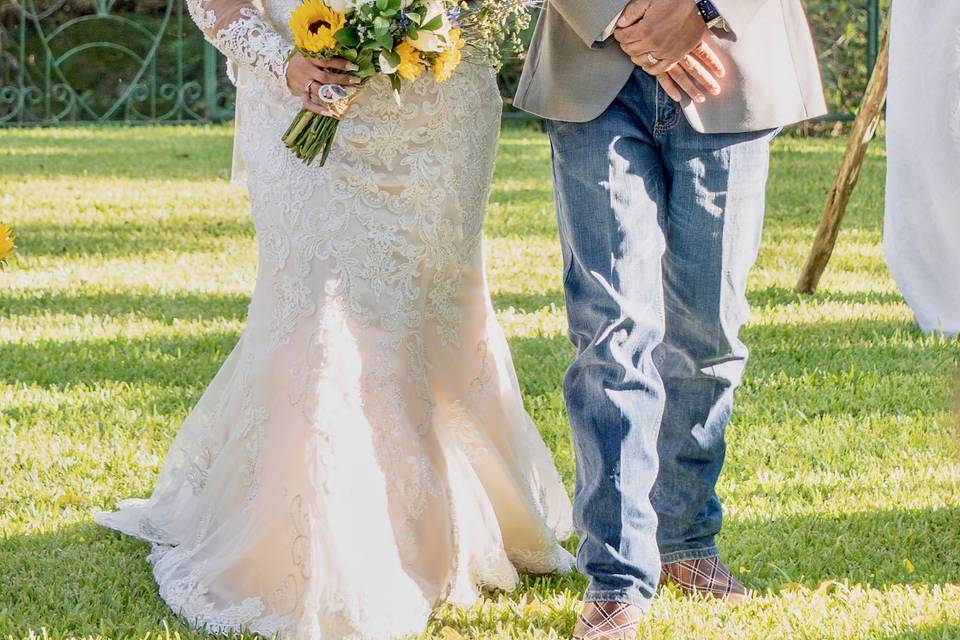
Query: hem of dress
<point x="564" y="563"/>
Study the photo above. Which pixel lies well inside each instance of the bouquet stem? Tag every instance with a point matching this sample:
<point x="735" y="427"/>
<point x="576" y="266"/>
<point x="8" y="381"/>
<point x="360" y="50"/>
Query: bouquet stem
<point x="311" y="135"/>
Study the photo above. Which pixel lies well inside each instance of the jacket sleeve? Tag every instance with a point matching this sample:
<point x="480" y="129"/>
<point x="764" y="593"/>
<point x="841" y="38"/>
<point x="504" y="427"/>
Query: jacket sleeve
<point x="238" y="30"/>
<point x="589" y="18"/>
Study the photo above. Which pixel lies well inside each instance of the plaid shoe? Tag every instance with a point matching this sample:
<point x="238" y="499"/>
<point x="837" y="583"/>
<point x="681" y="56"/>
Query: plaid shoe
<point x="708" y="577"/>
<point x="608" y="621"/>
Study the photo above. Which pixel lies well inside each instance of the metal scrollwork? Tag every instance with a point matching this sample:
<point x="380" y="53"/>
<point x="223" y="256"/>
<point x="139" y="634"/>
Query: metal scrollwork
<point x="98" y="61"/>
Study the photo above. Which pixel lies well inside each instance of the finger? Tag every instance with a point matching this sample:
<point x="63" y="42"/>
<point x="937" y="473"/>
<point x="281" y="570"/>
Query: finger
<point x="647" y="60"/>
<point x="295" y="81"/>
<point x="657" y="69"/>
<point x="639" y="31"/>
<point x="701" y="75"/>
<point x="326" y="77"/>
<point x="635" y="49"/>
<point x="662" y="66"/>
<point x="633" y="12"/>
<point x="310" y="105"/>
<point x="680" y="76"/>
<point x="337" y="64"/>
<point x="709" y="58"/>
<point x="670" y="87"/>
<point x="630" y="34"/>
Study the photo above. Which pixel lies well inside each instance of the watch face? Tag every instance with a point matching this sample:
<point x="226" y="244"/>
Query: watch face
<point x="707" y="11"/>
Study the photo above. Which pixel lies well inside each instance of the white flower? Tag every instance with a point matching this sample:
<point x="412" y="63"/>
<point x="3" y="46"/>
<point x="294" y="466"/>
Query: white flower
<point x="385" y="66"/>
<point x="433" y="41"/>
<point x="345" y="6"/>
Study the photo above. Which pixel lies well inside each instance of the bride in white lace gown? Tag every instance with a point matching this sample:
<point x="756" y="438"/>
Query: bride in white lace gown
<point x="363" y="455"/>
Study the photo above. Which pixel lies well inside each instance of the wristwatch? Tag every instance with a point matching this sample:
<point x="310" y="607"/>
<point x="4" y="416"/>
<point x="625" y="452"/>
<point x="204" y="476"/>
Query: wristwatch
<point x="710" y="15"/>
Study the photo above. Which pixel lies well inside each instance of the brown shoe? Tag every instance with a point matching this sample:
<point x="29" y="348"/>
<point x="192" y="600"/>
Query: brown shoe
<point x="608" y="621"/>
<point x="707" y="577"/>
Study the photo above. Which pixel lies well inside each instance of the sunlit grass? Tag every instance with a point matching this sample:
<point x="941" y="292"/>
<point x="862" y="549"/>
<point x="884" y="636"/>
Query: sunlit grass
<point x="136" y="259"/>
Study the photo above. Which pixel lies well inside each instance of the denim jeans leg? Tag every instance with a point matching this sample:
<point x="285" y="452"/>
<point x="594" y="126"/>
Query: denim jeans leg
<point x="610" y="198"/>
<point x="713" y="225"/>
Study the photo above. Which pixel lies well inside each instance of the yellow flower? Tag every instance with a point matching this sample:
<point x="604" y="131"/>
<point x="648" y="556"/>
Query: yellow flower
<point x="6" y="242"/>
<point x="449" y="59"/>
<point x="411" y="64"/>
<point x="313" y="25"/>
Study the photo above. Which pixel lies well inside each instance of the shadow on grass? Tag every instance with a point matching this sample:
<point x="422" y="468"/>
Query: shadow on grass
<point x="863" y="547"/>
<point x="79" y="580"/>
<point x="776" y="295"/>
<point x="527" y="302"/>
<point x="103" y="153"/>
<point x="938" y="632"/>
<point x="127" y="239"/>
<point x="873" y="345"/>
<point x="846" y="347"/>
<point x="188" y="360"/>
<point x="772" y="296"/>
<point x="145" y="305"/>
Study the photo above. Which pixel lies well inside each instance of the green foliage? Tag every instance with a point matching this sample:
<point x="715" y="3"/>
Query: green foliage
<point x="840" y="29"/>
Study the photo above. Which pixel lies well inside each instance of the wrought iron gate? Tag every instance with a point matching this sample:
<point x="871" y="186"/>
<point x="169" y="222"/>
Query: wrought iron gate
<point x="96" y="61"/>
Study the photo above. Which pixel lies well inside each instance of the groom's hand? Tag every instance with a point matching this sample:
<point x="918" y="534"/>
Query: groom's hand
<point x="657" y="34"/>
<point x="697" y="74"/>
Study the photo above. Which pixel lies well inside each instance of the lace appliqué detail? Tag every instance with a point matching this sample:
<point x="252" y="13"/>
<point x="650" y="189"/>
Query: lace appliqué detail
<point x="245" y="38"/>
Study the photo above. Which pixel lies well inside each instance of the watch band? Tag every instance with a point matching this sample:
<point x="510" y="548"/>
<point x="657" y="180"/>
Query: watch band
<point x="711" y="17"/>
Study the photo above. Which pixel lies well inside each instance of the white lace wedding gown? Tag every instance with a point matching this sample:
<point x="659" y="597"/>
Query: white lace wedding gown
<point x="363" y="455"/>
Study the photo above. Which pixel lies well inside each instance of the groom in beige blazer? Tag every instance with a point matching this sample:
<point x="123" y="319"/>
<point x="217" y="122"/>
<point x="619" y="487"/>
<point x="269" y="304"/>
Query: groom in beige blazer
<point x="660" y="115"/>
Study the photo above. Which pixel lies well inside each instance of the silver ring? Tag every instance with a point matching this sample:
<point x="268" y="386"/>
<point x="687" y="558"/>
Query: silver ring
<point x="331" y="93"/>
<point x="652" y="59"/>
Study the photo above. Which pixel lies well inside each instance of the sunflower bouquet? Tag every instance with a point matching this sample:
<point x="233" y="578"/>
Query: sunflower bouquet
<point x="399" y="39"/>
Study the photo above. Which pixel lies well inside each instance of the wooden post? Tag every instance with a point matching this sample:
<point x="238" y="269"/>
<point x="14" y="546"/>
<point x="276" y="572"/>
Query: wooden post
<point x="868" y="117"/>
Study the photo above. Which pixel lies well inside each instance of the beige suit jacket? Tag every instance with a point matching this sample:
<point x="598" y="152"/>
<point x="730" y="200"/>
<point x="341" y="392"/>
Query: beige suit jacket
<point x="772" y="75"/>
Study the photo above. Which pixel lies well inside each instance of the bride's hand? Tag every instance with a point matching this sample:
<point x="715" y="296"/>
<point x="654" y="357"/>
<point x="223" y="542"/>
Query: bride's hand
<point x="696" y="73"/>
<point x="305" y="74"/>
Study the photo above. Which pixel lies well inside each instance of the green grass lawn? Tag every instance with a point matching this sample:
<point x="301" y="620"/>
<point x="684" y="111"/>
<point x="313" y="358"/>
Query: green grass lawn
<point x="842" y="487"/>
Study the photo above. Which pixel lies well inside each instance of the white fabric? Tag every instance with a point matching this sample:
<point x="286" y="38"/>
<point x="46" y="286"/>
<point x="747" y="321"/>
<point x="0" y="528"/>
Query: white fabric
<point x="922" y="227"/>
<point x="363" y="455"/>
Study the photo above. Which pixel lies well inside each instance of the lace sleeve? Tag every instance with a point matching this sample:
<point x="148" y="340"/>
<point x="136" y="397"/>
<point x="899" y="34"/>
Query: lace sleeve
<point x="237" y="29"/>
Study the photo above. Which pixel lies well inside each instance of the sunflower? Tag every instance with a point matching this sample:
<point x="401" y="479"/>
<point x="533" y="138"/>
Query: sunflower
<point x="314" y="24"/>
<point x="6" y="242"/>
<point x="449" y="59"/>
<point x="411" y="64"/>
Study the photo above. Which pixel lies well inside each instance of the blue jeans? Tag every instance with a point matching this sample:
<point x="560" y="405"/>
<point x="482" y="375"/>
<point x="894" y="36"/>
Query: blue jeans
<point x="659" y="226"/>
